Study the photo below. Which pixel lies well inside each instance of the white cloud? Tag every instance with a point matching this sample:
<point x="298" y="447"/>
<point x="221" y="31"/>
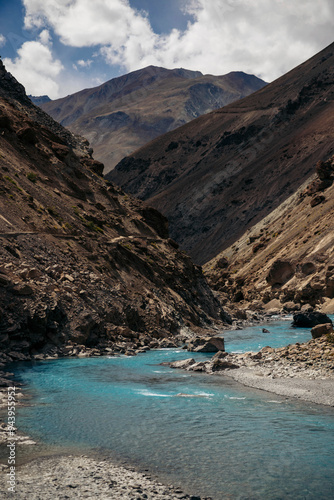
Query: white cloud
<point x="35" y="67"/>
<point x="2" y="40"/>
<point x="84" y="64"/>
<point x="261" y="37"/>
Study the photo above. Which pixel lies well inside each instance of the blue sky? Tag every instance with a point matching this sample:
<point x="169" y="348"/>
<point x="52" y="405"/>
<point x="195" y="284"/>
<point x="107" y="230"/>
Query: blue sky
<point x="57" y="47"/>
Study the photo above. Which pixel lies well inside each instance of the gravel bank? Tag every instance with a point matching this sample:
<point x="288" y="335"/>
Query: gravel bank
<point x="64" y="477"/>
<point x="304" y="371"/>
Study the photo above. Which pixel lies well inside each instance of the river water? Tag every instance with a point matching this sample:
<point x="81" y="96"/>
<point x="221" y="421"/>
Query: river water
<point x="218" y="438"/>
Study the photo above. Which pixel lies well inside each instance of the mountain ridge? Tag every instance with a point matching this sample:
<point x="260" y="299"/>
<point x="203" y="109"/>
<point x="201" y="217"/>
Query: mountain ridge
<point x="124" y="113"/>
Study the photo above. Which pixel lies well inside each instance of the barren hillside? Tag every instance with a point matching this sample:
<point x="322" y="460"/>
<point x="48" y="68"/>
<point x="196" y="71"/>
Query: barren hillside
<point x="125" y="113"/>
<point x="223" y="172"/>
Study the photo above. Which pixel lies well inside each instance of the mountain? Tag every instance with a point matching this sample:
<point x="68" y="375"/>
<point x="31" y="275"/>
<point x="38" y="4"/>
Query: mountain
<point x="81" y="262"/>
<point x="286" y="259"/>
<point x="38" y="100"/>
<point x="124" y="113"/>
<point x="220" y="174"/>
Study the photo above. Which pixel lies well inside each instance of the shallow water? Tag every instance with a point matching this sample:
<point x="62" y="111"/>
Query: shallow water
<point x="218" y="438"/>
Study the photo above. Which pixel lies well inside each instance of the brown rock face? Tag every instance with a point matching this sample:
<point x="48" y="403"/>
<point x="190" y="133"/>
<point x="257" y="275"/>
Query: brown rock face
<point x="229" y="169"/>
<point x="296" y="234"/>
<point x="309" y="320"/>
<point x="209" y="344"/>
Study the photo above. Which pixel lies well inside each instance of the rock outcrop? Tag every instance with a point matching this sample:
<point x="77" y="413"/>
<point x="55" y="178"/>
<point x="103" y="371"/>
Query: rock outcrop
<point x="206" y="344"/>
<point x="309" y="320"/>
<point x="312" y="359"/>
<point x="320" y="330"/>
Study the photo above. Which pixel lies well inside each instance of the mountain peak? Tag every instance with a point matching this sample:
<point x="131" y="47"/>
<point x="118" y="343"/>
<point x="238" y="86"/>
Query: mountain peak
<point x="124" y="113"/>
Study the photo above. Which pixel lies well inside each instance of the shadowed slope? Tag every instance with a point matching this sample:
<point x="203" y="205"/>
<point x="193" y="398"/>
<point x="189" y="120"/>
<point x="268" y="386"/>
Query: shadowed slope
<point x="81" y="261"/>
<point x="223" y="172"/>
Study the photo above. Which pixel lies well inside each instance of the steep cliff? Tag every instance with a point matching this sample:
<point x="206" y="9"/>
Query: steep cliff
<point x="287" y="259"/>
<point x="81" y="261"/>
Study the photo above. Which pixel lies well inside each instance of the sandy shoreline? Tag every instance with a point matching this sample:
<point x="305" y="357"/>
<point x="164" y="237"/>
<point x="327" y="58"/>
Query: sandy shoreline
<point x="304" y="371"/>
<point x="319" y="391"/>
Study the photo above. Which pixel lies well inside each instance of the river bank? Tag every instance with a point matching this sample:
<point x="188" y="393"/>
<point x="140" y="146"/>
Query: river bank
<point x="42" y="474"/>
<point x="301" y="370"/>
<point x="82" y="476"/>
<point x="319" y="391"/>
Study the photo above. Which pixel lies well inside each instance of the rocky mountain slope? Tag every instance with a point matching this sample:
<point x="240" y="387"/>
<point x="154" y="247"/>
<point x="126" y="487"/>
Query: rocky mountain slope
<point x="124" y="113"/>
<point x="81" y="262"/>
<point x="224" y="172"/>
<point x="287" y="259"/>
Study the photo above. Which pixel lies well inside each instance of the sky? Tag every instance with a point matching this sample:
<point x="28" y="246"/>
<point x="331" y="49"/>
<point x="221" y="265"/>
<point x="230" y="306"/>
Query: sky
<point x="58" y="47"/>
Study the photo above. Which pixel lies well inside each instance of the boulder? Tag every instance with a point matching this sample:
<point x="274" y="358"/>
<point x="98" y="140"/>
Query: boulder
<point x="291" y="306"/>
<point x="324" y="169"/>
<point x="22" y="290"/>
<point x="317" y="199"/>
<point x="200" y="366"/>
<point x="222" y="263"/>
<point x="219" y="355"/>
<point x="183" y="363"/>
<point x="307" y="308"/>
<point x="222" y="364"/>
<point x="308" y="268"/>
<point x="167" y="344"/>
<point x="207" y="344"/>
<point x="310" y="319"/>
<point x="273" y="304"/>
<point x="320" y="330"/>
<point x="280" y="272"/>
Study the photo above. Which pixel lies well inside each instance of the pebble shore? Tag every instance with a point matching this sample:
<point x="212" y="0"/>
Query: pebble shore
<point x="60" y="478"/>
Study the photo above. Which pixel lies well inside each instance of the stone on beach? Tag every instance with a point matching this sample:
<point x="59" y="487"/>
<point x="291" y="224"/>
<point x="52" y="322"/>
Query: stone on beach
<point x="319" y="330"/>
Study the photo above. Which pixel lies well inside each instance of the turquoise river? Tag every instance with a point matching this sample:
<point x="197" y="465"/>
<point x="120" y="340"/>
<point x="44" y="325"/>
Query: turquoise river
<point x="231" y="442"/>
